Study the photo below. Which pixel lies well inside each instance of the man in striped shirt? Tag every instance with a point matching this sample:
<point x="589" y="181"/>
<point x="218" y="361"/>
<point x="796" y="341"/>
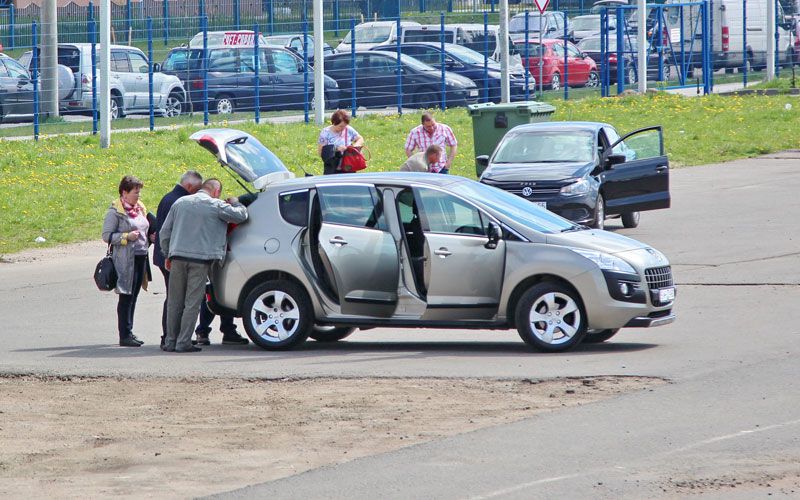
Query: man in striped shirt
<point x="430" y="133"/>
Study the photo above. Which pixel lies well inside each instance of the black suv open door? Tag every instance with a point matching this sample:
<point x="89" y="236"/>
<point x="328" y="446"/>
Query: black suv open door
<point x="635" y="173"/>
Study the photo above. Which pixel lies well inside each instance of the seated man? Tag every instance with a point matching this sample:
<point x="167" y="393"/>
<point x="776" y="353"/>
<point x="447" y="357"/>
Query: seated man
<point x="422" y="161"/>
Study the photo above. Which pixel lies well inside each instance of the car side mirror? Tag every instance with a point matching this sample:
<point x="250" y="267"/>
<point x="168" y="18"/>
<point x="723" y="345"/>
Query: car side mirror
<point x="23" y="80"/>
<point x="614" y="159"/>
<point x="156" y="67"/>
<point x="551" y="29"/>
<point x="495" y="235"/>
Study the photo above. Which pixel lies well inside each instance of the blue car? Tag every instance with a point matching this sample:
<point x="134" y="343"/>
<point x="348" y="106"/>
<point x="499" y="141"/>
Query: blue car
<point x="468" y="63"/>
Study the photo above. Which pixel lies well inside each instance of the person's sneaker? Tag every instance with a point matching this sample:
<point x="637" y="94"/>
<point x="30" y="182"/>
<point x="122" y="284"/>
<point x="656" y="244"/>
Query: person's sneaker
<point x="202" y="339"/>
<point x="128" y="342"/>
<point x="234" y="339"/>
<point x="136" y="339"/>
<point x="191" y="349"/>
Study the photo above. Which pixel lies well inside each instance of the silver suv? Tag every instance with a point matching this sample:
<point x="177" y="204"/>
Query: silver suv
<point x="129" y="81"/>
<point x="321" y="256"/>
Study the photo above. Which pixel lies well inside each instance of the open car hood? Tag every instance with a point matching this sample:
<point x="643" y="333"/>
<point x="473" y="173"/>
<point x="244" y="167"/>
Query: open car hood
<point x="244" y="154"/>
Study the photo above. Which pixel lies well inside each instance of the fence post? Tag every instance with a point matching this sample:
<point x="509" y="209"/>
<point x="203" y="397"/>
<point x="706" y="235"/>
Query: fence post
<point x="256" y="75"/>
<point x="442" y="61"/>
<point x="682" y="72"/>
<point x="660" y="42"/>
<point x="305" y="71"/>
<point x="203" y="22"/>
<point x="603" y="52"/>
<point x="399" y="67"/>
<point x="527" y="56"/>
<point x="150" y="72"/>
<point x="566" y="66"/>
<point x="620" y="54"/>
<point x="35" y="66"/>
<point x="492" y="5"/>
<point x="711" y="37"/>
<point x="12" y="21"/>
<point x="237" y="18"/>
<point x="128" y="15"/>
<point x="270" y="17"/>
<point x="336" y="18"/>
<point x="165" y="15"/>
<point x="485" y="56"/>
<point x="353" y="64"/>
<point x="777" y="42"/>
<point x="744" y="43"/>
<point x="449" y="5"/>
<point x="422" y="5"/>
<point x="707" y="72"/>
<point x="93" y="41"/>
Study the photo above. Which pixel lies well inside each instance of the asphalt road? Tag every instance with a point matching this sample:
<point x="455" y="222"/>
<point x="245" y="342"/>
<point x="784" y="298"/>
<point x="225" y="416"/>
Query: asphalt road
<point x="731" y="410"/>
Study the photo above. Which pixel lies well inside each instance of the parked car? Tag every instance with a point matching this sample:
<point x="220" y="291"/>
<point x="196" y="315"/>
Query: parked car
<point x="294" y="42"/>
<point x="582" y="70"/>
<point x="581" y="27"/>
<point x="231" y="74"/>
<point x="468" y="63"/>
<point x="370" y="34"/>
<point x="473" y="36"/>
<point x="16" y="90"/>
<point x="591" y="47"/>
<point x="421" y="250"/>
<point x="129" y="82"/>
<point x="376" y="80"/>
<point x="583" y="171"/>
<point x="551" y="24"/>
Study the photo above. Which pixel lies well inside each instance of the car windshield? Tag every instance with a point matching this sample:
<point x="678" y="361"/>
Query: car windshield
<point x="415" y="63"/>
<point x="534" y="49"/>
<point x="591" y="23"/>
<point x="466" y="55"/>
<point x="546" y="147"/>
<point x="514" y="207"/>
<point x="593" y="44"/>
<point x="370" y="34"/>
<point x="517" y="24"/>
<point x="251" y="160"/>
<point x="279" y="41"/>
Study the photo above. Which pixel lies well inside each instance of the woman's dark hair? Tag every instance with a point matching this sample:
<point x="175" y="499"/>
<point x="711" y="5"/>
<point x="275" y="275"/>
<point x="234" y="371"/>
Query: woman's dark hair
<point x="129" y="183"/>
<point x="340" y="116"/>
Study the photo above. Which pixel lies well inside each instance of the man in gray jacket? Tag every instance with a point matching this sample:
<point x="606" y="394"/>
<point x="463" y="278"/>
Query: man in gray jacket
<point x="192" y="238"/>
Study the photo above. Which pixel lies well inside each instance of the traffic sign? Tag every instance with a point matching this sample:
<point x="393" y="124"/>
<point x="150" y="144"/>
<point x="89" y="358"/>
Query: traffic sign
<point x="541" y="5"/>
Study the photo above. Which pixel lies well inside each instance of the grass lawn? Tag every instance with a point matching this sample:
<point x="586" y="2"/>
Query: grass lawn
<point x="60" y="187"/>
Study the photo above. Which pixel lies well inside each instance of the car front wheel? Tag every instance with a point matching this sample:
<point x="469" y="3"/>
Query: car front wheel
<point x="278" y="315"/>
<point x="630" y="219"/>
<point x="174" y="105"/>
<point x="555" y="82"/>
<point x="594" y="80"/>
<point x="550" y="317"/>
<point x="599" y="221"/>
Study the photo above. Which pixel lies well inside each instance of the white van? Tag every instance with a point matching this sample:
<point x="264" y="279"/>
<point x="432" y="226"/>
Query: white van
<point x="727" y="44"/>
<point x="372" y="34"/>
<point x="470" y="35"/>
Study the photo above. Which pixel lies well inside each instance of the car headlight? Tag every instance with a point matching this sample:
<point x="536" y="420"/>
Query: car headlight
<point x="606" y="261"/>
<point x="576" y="188"/>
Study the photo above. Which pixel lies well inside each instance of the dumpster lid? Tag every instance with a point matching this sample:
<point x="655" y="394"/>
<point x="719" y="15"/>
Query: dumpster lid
<point x="531" y="107"/>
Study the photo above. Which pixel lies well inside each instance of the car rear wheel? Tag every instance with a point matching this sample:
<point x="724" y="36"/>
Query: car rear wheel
<point x="278" y="315"/>
<point x="115" y="108"/>
<point x="599" y="221"/>
<point x="224" y="105"/>
<point x="594" y="79"/>
<point x="555" y="82"/>
<point x="424" y="97"/>
<point x="631" y="78"/>
<point x="598" y="336"/>
<point x="550" y="317"/>
<point x="630" y="219"/>
<point x="322" y="333"/>
<point x="174" y="105"/>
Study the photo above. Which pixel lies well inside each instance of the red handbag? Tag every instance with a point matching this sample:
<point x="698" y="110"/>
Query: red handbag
<point x="353" y="160"/>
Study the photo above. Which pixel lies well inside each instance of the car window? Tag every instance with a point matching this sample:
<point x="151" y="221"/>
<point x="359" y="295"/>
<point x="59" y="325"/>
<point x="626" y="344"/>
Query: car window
<point x="478" y="43"/>
<point x="338" y="64"/>
<point x="138" y="63"/>
<point x="176" y="61"/>
<point x="297" y="44"/>
<point x="445" y="213"/>
<point x="354" y="205"/>
<point x="557" y="49"/>
<point x="246" y="64"/>
<point x="427" y="55"/>
<point x="120" y="62"/>
<point x="612" y="136"/>
<point x="223" y="60"/>
<point x="573" y="51"/>
<point x="294" y="207"/>
<point x="15" y="69"/>
<point x="534" y="49"/>
<point x="3" y="70"/>
<point x="25" y="59"/>
<point x="284" y="63"/>
<point x="642" y="145"/>
<point x="382" y="65"/>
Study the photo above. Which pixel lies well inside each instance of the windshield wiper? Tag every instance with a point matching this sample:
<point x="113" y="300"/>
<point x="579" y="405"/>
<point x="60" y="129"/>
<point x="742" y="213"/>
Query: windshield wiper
<point x="576" y="227"/>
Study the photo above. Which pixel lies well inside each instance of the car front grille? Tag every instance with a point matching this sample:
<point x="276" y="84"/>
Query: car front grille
<point x="536" y="190"/>
<point x="658" y="278"/>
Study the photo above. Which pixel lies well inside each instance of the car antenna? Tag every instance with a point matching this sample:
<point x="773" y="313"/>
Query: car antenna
<point x="238" y="181"/>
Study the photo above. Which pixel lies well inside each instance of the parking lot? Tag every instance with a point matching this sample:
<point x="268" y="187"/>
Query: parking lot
<point x="726" y="425"/>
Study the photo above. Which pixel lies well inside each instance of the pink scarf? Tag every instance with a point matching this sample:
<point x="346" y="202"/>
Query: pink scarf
<point x="133" y="211"/>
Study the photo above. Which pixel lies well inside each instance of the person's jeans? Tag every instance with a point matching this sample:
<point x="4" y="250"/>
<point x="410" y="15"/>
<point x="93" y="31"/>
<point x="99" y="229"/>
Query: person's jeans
<point x="126" y="304"/>
<point x="187" y="285"/>
<point x="164" y="273"/>
<point x="226" y="324"/>
<point x="444" y="171"/>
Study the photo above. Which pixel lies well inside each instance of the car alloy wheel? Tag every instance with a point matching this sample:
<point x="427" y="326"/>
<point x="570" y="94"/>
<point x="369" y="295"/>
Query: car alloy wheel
<point x="550" y="317"/>
<point x="277" y="315"/>
<point x="113" y="108"/>
<point x="631" y="75"/>
<point x="555" y="82"/>
<point x="599" y="221"/>
<point x="174" y="106"/>
<point x="594" y="79"/>
<point x="225" y="105"/>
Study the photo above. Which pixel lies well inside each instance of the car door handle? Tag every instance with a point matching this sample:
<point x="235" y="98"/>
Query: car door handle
<point x="443" y="253"/>
<point x="661" y="169"/>
<point x="338" y="241"/>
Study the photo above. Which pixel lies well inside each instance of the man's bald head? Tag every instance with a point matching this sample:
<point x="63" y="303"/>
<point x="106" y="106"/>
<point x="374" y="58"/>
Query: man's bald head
<point x="213" y="187"/>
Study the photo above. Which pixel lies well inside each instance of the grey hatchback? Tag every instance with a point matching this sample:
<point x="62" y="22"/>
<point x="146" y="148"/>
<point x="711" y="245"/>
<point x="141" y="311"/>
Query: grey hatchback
<point x="321" y="256"/>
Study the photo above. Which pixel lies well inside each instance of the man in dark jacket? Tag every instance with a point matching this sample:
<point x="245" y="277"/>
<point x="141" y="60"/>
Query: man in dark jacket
<point x="189" y="183"/>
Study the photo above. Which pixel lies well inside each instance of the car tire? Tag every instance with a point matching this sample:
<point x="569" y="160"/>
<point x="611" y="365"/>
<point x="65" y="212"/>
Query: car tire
<point x="550" y="317"/>
<point x="631" y="76"/>
<point x="599" y="221"/>
<point x="278" y="315"/>
<point x="330" y="333"/>
<point x="598" y="336"/>
<point x="593" y="81"/>
<point x="115" y="109"/>
<point x="224" y="105"/>
<point x="421" y="99"/>
<point x="174" y="106"/>
<point x="555" y="82"/>
<point x="630" y="219"/>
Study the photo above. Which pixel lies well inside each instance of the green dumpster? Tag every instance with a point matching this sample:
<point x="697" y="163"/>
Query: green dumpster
<point x="491" y="121"/>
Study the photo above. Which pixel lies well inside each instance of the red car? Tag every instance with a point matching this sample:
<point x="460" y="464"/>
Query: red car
<point x="582" y="69"/>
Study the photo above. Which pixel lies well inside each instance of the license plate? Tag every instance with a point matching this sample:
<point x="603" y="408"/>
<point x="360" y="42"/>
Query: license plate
<point x="473" y="93"/>
<point x="542" y="204"/>
<point x="666" y="295"/>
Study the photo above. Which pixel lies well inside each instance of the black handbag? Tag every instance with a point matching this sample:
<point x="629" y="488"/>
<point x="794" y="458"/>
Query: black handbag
<point x="105" y="276"/>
